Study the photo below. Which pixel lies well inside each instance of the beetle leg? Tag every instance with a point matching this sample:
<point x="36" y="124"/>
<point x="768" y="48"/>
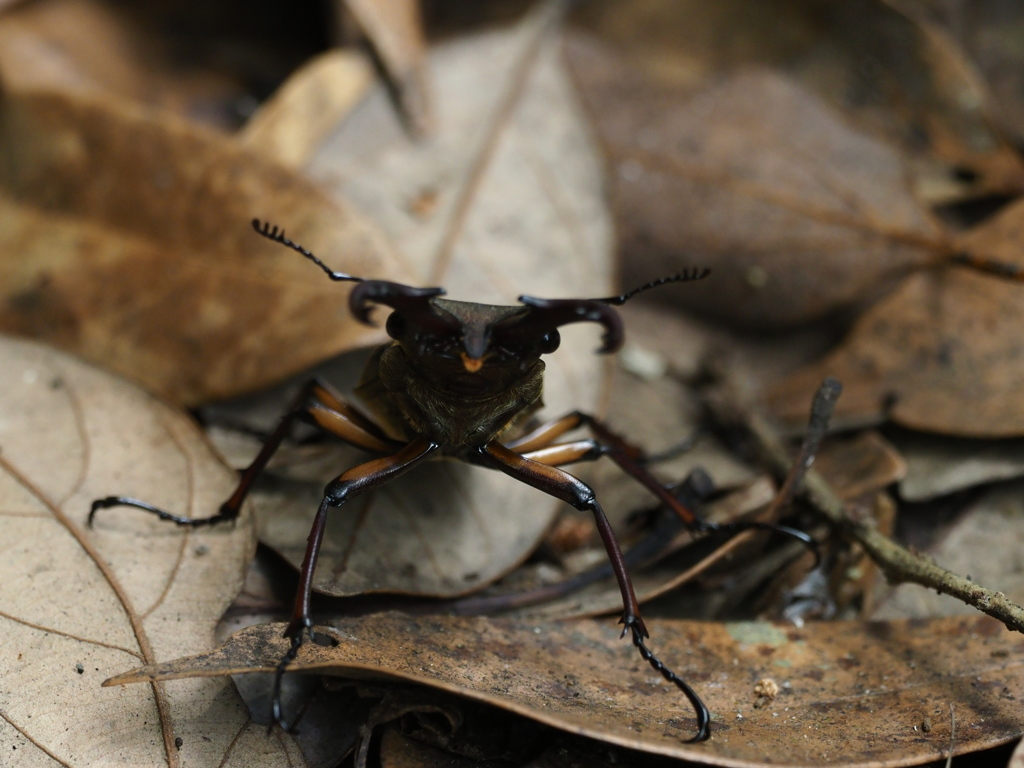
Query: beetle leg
<point x="566" y="453"/>
<point x="562" y="485"/>
<point x="315" y="402"/>
<point x="352" y="483"/>
<point x="628" y="456"/>
<point x="545" y="434"/>
<point x="632" y="460"/>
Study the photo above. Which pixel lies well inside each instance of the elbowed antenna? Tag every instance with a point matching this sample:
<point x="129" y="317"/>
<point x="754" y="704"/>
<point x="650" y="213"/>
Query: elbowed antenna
<point x="412" y="303"/>
<point x="271" y="232"/>
<point x="686" y="276"/>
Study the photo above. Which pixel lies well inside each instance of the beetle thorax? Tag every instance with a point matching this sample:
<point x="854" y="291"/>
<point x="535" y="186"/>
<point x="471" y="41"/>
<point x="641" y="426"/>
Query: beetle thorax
<point x="451" y="407"/>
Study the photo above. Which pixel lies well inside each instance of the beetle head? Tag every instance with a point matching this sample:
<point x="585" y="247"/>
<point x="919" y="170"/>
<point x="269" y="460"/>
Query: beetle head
<point x="456" y="338"/>
<point x="470" y="336"/>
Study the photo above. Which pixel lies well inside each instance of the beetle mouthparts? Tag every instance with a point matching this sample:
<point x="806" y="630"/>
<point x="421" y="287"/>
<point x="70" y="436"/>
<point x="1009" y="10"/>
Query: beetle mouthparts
<point x="472" y="364"/>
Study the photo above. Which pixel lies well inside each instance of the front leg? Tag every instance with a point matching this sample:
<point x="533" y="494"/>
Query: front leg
<point x="574" y="491"/>
<point x="350" y="484"/>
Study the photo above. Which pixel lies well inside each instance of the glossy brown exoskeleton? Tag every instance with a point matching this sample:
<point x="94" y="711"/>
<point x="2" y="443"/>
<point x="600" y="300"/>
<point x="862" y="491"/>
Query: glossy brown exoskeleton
<point x="453" y="381"/>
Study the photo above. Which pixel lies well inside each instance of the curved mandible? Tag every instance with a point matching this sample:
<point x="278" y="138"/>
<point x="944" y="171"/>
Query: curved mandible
<point x="414" y="304"/>
<point x="548" y="314"/>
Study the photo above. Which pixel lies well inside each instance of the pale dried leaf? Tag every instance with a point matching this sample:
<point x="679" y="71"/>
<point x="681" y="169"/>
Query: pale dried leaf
<point x="444" y="529"/>
<point x="292" y="123"/>
<point x="125" y="238"/>
<point x="503" y="199"/>
<point x="77" y="603"/>
<point x="938" y="465"/>
<point x="851" y="694"/>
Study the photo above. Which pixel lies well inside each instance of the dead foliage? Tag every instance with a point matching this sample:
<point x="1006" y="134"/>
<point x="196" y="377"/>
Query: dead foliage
<point x="851" y="173"/>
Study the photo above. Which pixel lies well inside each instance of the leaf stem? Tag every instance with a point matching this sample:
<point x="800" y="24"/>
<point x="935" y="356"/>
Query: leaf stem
<point x="899" y="564"/>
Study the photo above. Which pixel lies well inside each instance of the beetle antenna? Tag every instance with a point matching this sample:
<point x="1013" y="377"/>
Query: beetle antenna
<point x="271" y="232"/>
<point x="686" y="276"/>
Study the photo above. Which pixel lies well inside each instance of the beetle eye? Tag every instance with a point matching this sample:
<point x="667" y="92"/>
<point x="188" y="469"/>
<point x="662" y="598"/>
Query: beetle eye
<point x="550" y="342"/>
<point x="395" y="325"/>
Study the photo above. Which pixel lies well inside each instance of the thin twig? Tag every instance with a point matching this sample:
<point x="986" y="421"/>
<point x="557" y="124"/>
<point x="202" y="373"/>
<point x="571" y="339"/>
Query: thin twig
<point x="897" y="563"/>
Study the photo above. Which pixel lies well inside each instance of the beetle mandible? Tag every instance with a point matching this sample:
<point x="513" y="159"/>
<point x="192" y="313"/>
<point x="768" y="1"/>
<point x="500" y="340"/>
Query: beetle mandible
<point x="454" y="380"/>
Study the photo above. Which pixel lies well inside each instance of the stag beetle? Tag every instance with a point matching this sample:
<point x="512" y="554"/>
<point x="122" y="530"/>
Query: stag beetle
<point x="454" y="380"/>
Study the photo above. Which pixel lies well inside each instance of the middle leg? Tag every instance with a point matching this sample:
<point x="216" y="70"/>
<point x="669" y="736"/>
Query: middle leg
<point x="539" y="446"/>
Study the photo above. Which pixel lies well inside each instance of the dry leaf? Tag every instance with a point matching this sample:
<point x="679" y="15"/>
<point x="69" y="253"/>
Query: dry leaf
<point x="862" y="464"/>
<point x="937" y="465"/>
<point x="796" y="213"/>
<point x="986" y="36"/>
<point x="395" y="29"/>
<point x="80" y="45"/>
<point x="503" y="199"/>
<point x="96" y="47"/>
<point x="78" y="603"/>
<point x="882" y="63"/>
<point x="125" y="238"/>
<point x="289" y="125"/>
<point x="941" y="354"/>
<point x="444" y="529"/>
<point x="851" y="694"/>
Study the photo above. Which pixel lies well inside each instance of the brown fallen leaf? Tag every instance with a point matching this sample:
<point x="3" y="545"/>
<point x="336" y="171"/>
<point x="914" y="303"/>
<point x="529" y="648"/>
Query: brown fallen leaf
<point x="101" y="48"/>
<point x="986" y="34"/>
<point x="125" y="238"/>
<point x="77" y="603"/>
<point x="75" y="44"/>
<point x="862" y="464"/>
<point x="502" y="199"/>
<point x="942" y="354"/>
<point x="885" y="64"/>
<point x="796" y="213"/>
<point x="851" y="694"/>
